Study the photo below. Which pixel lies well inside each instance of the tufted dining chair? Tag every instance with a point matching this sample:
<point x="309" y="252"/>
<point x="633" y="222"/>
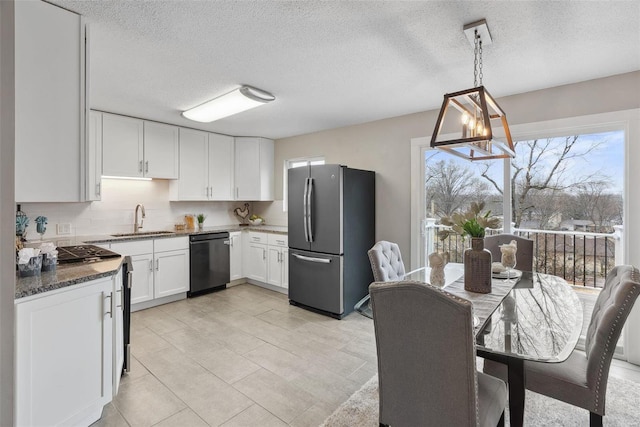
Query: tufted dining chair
<point x="581" y="380"/>
<point x="427" y="360"/>
<point x="386" y="262"/>
<point x="524" y="255"/>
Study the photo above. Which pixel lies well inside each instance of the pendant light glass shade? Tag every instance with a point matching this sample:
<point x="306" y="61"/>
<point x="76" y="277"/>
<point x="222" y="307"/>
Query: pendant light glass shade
<point x="242" y="99"/>
<point x="469" y="116"/>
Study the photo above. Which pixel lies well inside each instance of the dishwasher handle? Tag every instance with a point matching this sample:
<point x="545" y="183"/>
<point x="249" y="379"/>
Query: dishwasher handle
<point x="208" y="236"/>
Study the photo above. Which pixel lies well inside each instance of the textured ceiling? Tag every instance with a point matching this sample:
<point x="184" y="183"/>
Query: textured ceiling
<point x="337" y="63"/>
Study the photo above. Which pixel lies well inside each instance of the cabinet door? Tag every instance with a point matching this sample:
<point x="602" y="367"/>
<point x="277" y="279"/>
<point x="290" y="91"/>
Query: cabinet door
<point x="221" y="153"/>
<point x="49" y="103"/>
<point x="171" y="273"/>
<point x="160" y="150"/>
<point x="94" y="157"/>
<point x="64" y="356"/>
<point x="274" y="270"/>
<point x="142" y="278"/>
<point x="193" y="183"/>
<point x="235" y="255"/>
<point x="266" y="169"/>
<point x="256" y="262"/>
<point x="122" y="146"/>
<point x="247" y="169"/>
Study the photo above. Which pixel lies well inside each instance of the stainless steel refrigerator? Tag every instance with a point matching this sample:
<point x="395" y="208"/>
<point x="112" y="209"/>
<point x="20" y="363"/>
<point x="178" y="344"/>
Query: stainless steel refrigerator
<point x="331" y="228"/>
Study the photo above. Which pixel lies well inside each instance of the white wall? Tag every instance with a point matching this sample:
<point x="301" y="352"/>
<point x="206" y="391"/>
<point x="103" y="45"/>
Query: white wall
<point x="115" y="212"/>
<point x="384" y="145"/>
<point x="7" y="214"/>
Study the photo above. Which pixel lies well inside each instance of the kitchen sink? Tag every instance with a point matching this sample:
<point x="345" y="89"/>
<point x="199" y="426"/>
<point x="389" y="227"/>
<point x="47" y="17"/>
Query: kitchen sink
<point x="142" y="233"/>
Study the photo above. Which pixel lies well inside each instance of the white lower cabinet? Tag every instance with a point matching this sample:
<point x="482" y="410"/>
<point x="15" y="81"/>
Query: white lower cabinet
<point x="278" y="261"/>
<point x="160" y="268"/>
<point x="235" y="256"/>
<point x="64" y="355"/>
<point x="255" y="265"/>
<point x="266" y="258"/>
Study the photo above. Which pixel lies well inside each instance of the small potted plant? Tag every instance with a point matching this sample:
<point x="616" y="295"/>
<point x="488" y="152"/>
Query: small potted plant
<point x="477" y="259"/>
<point x="201" y="218"/>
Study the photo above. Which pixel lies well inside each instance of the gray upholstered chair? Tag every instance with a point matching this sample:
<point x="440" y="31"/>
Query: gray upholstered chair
<point x="386" y="262"/>
<point x="524" y="256"/>
<point x="581" y="380"/>
<point x="427" y="361"/>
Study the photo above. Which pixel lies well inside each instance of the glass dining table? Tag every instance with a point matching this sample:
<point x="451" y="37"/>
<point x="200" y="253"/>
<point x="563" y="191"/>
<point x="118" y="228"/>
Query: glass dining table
<point x="532" y="317"/>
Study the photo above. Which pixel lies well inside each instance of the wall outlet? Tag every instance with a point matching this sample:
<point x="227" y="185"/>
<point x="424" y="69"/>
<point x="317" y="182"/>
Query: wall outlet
<point x="63" y="229"/>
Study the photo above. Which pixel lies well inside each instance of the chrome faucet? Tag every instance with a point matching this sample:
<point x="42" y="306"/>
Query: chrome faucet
<point x="137" y="227"/>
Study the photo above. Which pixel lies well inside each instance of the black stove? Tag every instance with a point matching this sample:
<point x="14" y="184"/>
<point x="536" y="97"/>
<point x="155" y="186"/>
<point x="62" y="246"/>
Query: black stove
<point x="83" y="253"/>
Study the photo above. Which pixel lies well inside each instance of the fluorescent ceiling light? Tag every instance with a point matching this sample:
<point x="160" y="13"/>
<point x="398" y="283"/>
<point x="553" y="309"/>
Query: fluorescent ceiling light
<point x="241" y="99"/>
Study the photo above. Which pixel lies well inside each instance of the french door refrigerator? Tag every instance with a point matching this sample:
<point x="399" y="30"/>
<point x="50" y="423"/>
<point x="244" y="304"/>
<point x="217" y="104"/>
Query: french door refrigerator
<point x="331" y="228"/>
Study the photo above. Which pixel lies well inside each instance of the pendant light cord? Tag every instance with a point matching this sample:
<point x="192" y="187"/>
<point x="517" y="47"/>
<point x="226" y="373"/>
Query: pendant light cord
<point x="477" y="59"/>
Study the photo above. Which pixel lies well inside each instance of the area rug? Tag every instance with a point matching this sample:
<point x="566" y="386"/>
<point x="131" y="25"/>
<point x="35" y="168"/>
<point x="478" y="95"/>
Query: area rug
<point x="623" y="408"/>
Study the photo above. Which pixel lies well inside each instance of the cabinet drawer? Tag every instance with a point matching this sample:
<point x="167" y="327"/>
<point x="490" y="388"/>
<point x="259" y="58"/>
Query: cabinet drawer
<point x="171" y="244"/>
<point x="255" y="237"/>
<point x="133" y="248"/>
<point x="278" y="240"/>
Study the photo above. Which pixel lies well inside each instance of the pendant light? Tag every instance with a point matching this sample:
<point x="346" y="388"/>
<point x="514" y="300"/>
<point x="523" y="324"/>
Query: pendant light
<point x="468" y="114"/>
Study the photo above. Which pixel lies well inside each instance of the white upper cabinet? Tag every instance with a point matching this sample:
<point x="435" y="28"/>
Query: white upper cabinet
<point x="254" y="159"/>
<point x="50" y="104"/>
<point x="193" y="183"/>
<point x="160" y="150"/>
<point x="206" y="167"/>
<point x="122" y="146"/>
<point x="221" y="150"/>
<point x="136" y="148"/>
<point x="94" y="157"/>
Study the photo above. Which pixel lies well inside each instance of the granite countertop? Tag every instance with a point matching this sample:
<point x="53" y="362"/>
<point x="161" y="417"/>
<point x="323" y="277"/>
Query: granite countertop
<point x="73" y="274"/>
<point x="175" y="233"/>
<point x="66" y="275"/>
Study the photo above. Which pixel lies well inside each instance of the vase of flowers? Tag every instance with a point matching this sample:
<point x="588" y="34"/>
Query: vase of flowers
<point x="477" y="259"/>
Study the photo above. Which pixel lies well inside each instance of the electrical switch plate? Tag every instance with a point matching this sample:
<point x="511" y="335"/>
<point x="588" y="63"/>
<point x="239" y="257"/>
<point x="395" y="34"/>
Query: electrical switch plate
<point x="63" y="229"/>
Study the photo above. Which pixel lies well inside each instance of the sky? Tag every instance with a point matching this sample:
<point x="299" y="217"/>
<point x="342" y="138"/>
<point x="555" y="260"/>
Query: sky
<point x="606" y="159"/>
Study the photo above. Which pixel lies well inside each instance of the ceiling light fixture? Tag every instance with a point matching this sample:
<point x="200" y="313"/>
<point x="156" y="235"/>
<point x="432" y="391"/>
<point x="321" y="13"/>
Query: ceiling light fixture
<point x="241" y="99"/>
<point x="473" y="136"/>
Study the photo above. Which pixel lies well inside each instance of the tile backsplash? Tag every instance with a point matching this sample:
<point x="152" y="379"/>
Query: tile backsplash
<point x="115" y="212"/>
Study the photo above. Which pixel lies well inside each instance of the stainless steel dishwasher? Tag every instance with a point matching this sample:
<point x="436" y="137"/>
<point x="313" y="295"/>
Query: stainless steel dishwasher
<point x="208" y="263"/>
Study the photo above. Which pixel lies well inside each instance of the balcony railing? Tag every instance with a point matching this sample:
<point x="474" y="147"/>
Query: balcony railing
<point x="581" y="258"/>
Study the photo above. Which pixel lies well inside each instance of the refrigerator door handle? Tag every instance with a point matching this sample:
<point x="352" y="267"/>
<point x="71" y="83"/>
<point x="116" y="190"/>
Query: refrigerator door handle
<point x="309" y="210"/>
<point x="313" y="259"/>
<point x="305" y="214"/>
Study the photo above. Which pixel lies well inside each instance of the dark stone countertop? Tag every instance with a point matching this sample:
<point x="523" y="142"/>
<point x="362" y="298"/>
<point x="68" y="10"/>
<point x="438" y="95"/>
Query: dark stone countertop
<point x="65" y="275"/>
<point x="74" y="274"/>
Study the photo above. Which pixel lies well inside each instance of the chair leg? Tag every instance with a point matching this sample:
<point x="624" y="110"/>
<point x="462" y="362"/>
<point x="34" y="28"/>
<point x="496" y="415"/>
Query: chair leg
<point x="383" y="425"/>
<point x="501" y="420"/>
<point x="595" y="420"/>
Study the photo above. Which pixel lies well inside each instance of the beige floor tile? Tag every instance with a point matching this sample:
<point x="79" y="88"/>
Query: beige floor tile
<point x="146" y="401"/>
<point x="207" y="395"/>
<point x="284" y="320"/>
<point x="277" y="361"/>
<point x="332" y="360"/>
<point x="147" y="342"/>
<point x="276" y="395"/>
<point x="314" y="416"/>
<point x="225" y="364"/>
<point x="190" y="341"/>
<point x="184" y="418"/>
<point x="111" y="417"/>
<point x="253" y="416"/>
<point x="327" y="336"/>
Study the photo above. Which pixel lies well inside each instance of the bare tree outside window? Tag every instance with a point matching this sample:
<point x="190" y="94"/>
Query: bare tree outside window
<point x="569" y="184"/>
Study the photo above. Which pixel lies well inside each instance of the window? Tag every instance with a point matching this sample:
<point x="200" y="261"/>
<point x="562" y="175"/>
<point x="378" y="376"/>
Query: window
<point x="296" y="163"/>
